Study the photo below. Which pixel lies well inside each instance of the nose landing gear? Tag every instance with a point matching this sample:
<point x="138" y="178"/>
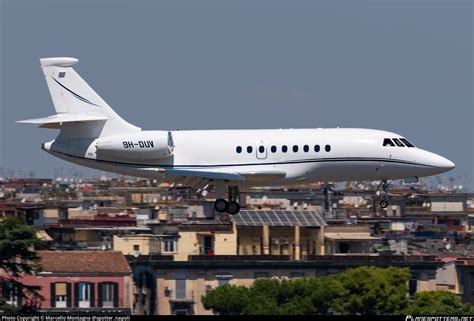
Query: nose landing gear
<point x="232" y="206"/>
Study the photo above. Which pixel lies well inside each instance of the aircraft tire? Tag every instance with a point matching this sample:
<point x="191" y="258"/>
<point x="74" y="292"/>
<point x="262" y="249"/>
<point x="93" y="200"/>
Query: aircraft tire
<point x="221" y="205"/>
<point x="233" y="208"/>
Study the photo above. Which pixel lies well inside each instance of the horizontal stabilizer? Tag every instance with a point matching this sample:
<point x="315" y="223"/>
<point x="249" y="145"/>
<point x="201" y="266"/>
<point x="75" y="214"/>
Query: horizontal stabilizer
<point x="55" y="121"/>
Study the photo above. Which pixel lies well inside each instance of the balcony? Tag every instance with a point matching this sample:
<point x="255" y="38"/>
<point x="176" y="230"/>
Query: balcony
<point x="176" y="296"/>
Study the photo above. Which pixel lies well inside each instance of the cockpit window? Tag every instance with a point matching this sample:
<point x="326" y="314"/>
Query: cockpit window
<point x="406" y="142"/>
<point x="388" y="142"/>
<point x="399" y="143"/>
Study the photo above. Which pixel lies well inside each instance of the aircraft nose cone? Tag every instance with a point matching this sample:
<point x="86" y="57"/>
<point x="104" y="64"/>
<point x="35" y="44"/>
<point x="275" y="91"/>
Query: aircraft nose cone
<point x="448" y="164"/>
<point x="443" y="163"/>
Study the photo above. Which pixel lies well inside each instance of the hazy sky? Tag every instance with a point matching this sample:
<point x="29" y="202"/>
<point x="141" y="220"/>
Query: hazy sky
<point x="404" y="66"/>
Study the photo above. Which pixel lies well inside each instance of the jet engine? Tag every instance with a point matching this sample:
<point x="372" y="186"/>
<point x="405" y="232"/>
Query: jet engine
<point x="144" y="145"/>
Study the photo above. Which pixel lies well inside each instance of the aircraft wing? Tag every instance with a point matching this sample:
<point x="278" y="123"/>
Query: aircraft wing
<point x="196" y="177"/>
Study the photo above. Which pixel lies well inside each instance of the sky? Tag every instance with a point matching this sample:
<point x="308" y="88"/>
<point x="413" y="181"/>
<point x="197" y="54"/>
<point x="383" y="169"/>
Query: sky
<point x="402" y="66"/>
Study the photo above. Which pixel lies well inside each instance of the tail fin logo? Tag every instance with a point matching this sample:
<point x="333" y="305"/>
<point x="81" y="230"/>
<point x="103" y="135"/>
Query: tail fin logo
<point x="85" y="100"/>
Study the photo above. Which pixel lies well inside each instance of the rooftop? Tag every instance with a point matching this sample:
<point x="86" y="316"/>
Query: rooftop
<point x="278" y="218"/>
<point x="84" y="262"/>
<point x="350" y="236"/>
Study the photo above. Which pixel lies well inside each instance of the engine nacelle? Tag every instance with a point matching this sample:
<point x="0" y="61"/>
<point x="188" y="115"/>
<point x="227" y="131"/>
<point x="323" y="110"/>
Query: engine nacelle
<point x="145" y="145"/>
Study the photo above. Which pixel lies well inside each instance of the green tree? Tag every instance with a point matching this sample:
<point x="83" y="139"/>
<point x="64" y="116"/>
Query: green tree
<point x="363" y="290"/>
<point x="438" y="303"/>
<point x="227" y="299"/>
<point x="326" y="294"/>
<point x="17" y="257"/>
<point x="372" y="290"/>
<point x="280" y="297"/>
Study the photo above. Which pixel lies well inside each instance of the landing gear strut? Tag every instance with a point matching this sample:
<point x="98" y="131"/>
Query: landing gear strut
<point x="384" y="185"/>
<point x="231" y="206"/>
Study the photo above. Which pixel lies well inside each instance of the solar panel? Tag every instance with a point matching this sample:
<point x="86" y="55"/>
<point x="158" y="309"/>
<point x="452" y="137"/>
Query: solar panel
<point x="278" y="218"/>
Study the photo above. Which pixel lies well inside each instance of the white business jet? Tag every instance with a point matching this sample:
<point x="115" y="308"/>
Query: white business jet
<point x="91" y="134"/>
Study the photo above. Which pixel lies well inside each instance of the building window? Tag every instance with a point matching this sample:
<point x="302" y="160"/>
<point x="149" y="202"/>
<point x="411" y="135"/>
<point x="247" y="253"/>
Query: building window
<point x="317" y="148"/>
<point x="249" y="149"/>
<point x="258" y="275"/>
<point x="11" y="293"/>
<point x="136" y="247"/>
<point x="84" y="295"/>
<point x="327" y="148"/>
<point x="295" y="148"/>
<point x="180" y="285"/>
<point x="284" y="148"/>
<point x="412" y="286"/>
<point x="273" y="149"/>
<point x="221" y="282"/>
<point x="238" y="149"/>
<point x="108" y="292"/>
<point x="223" y="278"/>
<point x="471" y="277"/>
<point x="306" y="148"/>
<point x="61" y="295"/>
<point x="169" y="246"/>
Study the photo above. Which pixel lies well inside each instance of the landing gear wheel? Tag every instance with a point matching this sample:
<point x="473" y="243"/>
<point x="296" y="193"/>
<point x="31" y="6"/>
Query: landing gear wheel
<point x="233" y="208"/>
<point x="383" y="204"/>
<point x="221" y="205"/>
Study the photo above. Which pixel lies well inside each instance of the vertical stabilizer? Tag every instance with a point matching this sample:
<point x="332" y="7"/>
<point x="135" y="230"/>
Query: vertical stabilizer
<point x="72" y="95"/>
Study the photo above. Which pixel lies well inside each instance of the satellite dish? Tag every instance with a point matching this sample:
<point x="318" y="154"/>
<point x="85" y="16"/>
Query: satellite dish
<point x="448" y="246"/>
<point x="264" y="198"/>
<point x="204" y="193"/>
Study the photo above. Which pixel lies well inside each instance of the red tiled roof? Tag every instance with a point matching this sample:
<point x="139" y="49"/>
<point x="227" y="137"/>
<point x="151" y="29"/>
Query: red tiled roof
<point x="84" y="262"/>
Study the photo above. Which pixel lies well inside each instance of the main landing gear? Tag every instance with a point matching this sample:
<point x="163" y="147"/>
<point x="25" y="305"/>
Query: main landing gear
<point x="231" y="206"/>
<point x="384" y="185"/>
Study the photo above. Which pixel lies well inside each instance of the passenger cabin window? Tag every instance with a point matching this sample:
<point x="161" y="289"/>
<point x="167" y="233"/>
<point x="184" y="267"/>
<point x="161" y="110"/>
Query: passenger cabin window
<point x="306" y="148"/>
<point x="273" y="149"/>
<point x="284" y="148"/>
<point x="295" y="148"/>
<point x="261" y="149"/>
<point x="388" y="142"/>
<point x="249" y="149"/>
<point x="327" y="148"/>
<point x="238" y="149"/>
<point x="406" y="142"/>
<point x="317" y="148"/>
<point x="399" y="143"/>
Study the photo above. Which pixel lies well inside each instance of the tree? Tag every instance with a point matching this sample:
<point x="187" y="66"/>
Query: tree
<point x="227" y="299"/>
<point x="363" y="290"/>
<point x="438" y="303"/>
<point x="372" y="290"/>
<point x="326" y="294"/>
<point x="17" y="257"/>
